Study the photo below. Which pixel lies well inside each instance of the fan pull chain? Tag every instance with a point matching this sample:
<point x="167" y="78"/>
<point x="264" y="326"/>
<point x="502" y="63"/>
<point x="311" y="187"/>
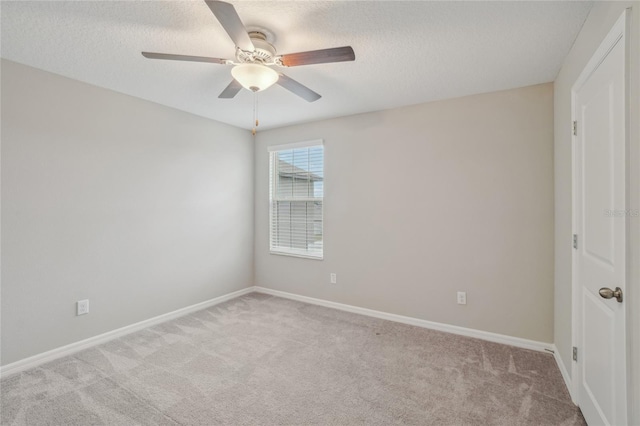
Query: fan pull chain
<point x="255" y="113"/>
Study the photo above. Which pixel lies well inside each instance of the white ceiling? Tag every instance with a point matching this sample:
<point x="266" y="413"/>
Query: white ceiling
<point x="406" y="52"/>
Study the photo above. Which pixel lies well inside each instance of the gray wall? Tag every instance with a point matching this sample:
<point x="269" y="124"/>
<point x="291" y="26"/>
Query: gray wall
<point x="423" y="201"/>
<point x="140" y="208"/>
<point x="596" y="27"/>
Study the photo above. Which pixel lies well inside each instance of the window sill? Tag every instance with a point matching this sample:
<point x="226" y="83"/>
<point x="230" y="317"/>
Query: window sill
<point x="293" y="254"/>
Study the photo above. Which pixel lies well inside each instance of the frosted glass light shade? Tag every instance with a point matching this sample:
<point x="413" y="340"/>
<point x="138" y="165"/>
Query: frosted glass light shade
<point x="254" y="77"/>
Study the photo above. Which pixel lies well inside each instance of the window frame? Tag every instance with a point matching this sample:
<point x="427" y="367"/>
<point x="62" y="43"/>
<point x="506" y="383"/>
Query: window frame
<point x="273" y="187"/>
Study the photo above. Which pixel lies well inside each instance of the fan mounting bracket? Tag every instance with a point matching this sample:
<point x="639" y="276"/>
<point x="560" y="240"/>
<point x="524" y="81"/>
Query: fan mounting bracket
<point x="261" y="33"/>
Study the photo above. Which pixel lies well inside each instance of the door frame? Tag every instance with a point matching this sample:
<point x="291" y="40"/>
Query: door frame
<point x="620" y="30"/>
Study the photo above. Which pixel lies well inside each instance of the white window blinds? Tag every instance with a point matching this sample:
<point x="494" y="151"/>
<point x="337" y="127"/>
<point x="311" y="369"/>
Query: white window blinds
<point x="296" y="191"/>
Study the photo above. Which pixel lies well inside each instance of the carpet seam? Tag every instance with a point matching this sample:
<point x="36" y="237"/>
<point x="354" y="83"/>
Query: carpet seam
<point x="146" y="401"/>
<point x="113" y="380"/>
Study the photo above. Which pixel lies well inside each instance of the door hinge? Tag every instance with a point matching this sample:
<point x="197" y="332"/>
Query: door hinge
<point x="575" y="353"/>
<point x="575" y="128"/>
<point x="575" y="241"/>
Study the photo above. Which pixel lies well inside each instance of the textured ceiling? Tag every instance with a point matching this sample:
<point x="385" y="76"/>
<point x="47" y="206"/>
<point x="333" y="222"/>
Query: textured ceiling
<point x="406" y="52"/>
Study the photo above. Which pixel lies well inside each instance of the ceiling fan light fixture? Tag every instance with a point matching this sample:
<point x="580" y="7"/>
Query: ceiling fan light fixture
<point x="254" y="77"/>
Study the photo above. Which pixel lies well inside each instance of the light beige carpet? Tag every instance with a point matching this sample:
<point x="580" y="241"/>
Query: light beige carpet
<point x="263" y="360"/>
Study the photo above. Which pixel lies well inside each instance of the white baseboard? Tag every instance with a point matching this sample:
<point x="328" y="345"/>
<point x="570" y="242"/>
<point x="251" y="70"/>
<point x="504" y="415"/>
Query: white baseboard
<point x="62" y="351"/>
<point x="34" y="361"/>
<point x="478" y="334"/>
<point x="565" y="373"/>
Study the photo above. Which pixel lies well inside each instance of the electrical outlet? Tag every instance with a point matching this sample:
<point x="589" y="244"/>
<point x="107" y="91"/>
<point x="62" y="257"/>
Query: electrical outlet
<point x="462" y="298"/>
<point x="333" y="278"/>
<point x="82" y="307"/>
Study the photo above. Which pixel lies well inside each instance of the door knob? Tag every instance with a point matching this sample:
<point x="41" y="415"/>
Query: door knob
<point x="607" y="293"/>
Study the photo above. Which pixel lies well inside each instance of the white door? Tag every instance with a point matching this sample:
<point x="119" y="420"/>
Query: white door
<point x="600" y="225"/>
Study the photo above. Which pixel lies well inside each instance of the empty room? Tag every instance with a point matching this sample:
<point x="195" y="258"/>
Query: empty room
<point x="320" y="213"/>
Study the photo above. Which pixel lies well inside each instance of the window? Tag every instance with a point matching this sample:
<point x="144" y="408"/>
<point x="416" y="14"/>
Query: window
<point x="296" y="191"/>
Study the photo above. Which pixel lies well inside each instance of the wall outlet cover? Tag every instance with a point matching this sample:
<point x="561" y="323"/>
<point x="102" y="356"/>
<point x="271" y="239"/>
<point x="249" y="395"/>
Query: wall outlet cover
<point x="82" y="307"/>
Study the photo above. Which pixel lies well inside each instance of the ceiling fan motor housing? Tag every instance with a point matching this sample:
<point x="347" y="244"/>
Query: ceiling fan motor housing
<point x="264" y="51"/>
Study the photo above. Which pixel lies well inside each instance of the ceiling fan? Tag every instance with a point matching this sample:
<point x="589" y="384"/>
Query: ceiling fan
<point x="255" y="56"/>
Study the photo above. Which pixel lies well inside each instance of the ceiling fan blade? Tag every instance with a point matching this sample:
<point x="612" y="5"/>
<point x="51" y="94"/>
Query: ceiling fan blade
<point x="231" y="90"/>
<point x="297" y="88"/>
<point x="335" y="54"/>
<point x="152" y="55"/>
<point x="230" y="21"/>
